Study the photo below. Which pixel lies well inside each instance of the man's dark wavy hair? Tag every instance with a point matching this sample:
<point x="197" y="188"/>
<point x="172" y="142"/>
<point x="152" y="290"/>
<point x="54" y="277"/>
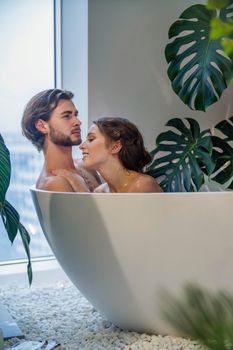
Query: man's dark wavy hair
<point x="41" y="106"/>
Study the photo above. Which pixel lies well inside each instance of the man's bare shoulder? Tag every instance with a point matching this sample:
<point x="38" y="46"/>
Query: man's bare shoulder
<point x="54" y="184"/>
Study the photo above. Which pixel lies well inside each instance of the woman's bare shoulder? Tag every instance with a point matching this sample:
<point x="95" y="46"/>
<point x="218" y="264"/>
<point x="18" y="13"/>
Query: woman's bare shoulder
<point x="145" y="183"/>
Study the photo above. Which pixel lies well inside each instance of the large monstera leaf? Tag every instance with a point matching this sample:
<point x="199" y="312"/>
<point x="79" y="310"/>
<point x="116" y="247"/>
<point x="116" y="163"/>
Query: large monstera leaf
<point x="223" y="153"/>
<point x="198" y="69"/>
<point x="181" y="156"/>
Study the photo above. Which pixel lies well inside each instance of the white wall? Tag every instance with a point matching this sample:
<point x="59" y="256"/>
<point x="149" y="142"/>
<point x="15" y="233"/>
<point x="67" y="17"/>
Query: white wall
<point x="127" y="67"/>
<point x="74" y="54"/>
<point x="113" y="59"/>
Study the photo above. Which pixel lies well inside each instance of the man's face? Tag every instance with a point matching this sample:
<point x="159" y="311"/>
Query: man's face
<point x="64" y="125"/>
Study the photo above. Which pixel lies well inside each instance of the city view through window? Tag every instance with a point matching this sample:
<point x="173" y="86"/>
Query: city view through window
<point x="26" y="67"/>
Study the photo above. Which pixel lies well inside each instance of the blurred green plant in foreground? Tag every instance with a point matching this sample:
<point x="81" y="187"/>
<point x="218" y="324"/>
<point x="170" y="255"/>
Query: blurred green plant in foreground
<point x="221" y="29"/>
<point x="202" y="315"/>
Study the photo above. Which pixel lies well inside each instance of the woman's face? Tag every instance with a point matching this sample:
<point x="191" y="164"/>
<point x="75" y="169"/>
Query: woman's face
<point x="94" y="149"/>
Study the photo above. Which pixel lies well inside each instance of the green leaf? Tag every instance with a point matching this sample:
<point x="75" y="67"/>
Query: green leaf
<point x="26" y="241"/>
<point x="198" y="71"/>
<point x="227" y="45"/>
<point x="182" y="156"/>
<point x="9" y="214"/>
<point x="216" y="4"/>
<point x="10" y="220"/>
<point x="5" y="170"/>
<point x="220" y="28"/>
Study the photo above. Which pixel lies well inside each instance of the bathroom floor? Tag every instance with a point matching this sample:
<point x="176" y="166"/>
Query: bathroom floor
<point x="53" y="309"/>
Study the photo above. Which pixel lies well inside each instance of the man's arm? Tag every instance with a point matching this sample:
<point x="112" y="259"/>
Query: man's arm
<point x="74" y="180"/>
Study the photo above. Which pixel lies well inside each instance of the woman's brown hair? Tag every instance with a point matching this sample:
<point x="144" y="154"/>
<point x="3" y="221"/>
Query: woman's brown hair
<point x="133" y="154"/>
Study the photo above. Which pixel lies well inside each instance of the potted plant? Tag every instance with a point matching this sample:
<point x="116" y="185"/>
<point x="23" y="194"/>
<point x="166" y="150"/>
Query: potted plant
<point x="199" y="71"/>
<point x="10" y="216"/>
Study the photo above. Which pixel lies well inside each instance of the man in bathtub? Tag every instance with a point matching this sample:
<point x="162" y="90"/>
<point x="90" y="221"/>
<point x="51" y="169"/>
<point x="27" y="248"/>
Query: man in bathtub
<point x="50" y="121"/>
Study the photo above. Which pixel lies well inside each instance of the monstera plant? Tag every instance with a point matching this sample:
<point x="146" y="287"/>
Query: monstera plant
<point x="185" y="155"/>
<point x="186" y="152"/>
<point x="9" y="215"/>
<point x="200" y="68"/>
<point x="199" y="71"/>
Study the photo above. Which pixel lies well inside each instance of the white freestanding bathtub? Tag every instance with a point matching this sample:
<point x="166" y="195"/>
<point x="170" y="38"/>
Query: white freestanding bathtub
<point x="123" y="250"/>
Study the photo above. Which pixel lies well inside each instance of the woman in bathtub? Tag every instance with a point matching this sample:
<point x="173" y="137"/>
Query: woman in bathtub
<point x="114" y="147"/>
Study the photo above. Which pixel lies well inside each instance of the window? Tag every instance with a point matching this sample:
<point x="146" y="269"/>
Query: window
<point x="26" y="67"/>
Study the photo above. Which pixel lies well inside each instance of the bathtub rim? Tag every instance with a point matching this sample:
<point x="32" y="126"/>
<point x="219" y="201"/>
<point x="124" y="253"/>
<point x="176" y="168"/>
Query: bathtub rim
<point x="33" y="188"/>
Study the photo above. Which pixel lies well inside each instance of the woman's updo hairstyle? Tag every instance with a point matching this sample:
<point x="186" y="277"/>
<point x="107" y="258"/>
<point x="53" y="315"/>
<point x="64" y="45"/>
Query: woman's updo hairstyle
<point x="133" y="154"/>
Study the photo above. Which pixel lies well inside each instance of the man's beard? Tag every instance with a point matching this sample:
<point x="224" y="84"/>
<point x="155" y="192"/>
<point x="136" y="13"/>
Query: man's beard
<point x="60" y="139"/>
